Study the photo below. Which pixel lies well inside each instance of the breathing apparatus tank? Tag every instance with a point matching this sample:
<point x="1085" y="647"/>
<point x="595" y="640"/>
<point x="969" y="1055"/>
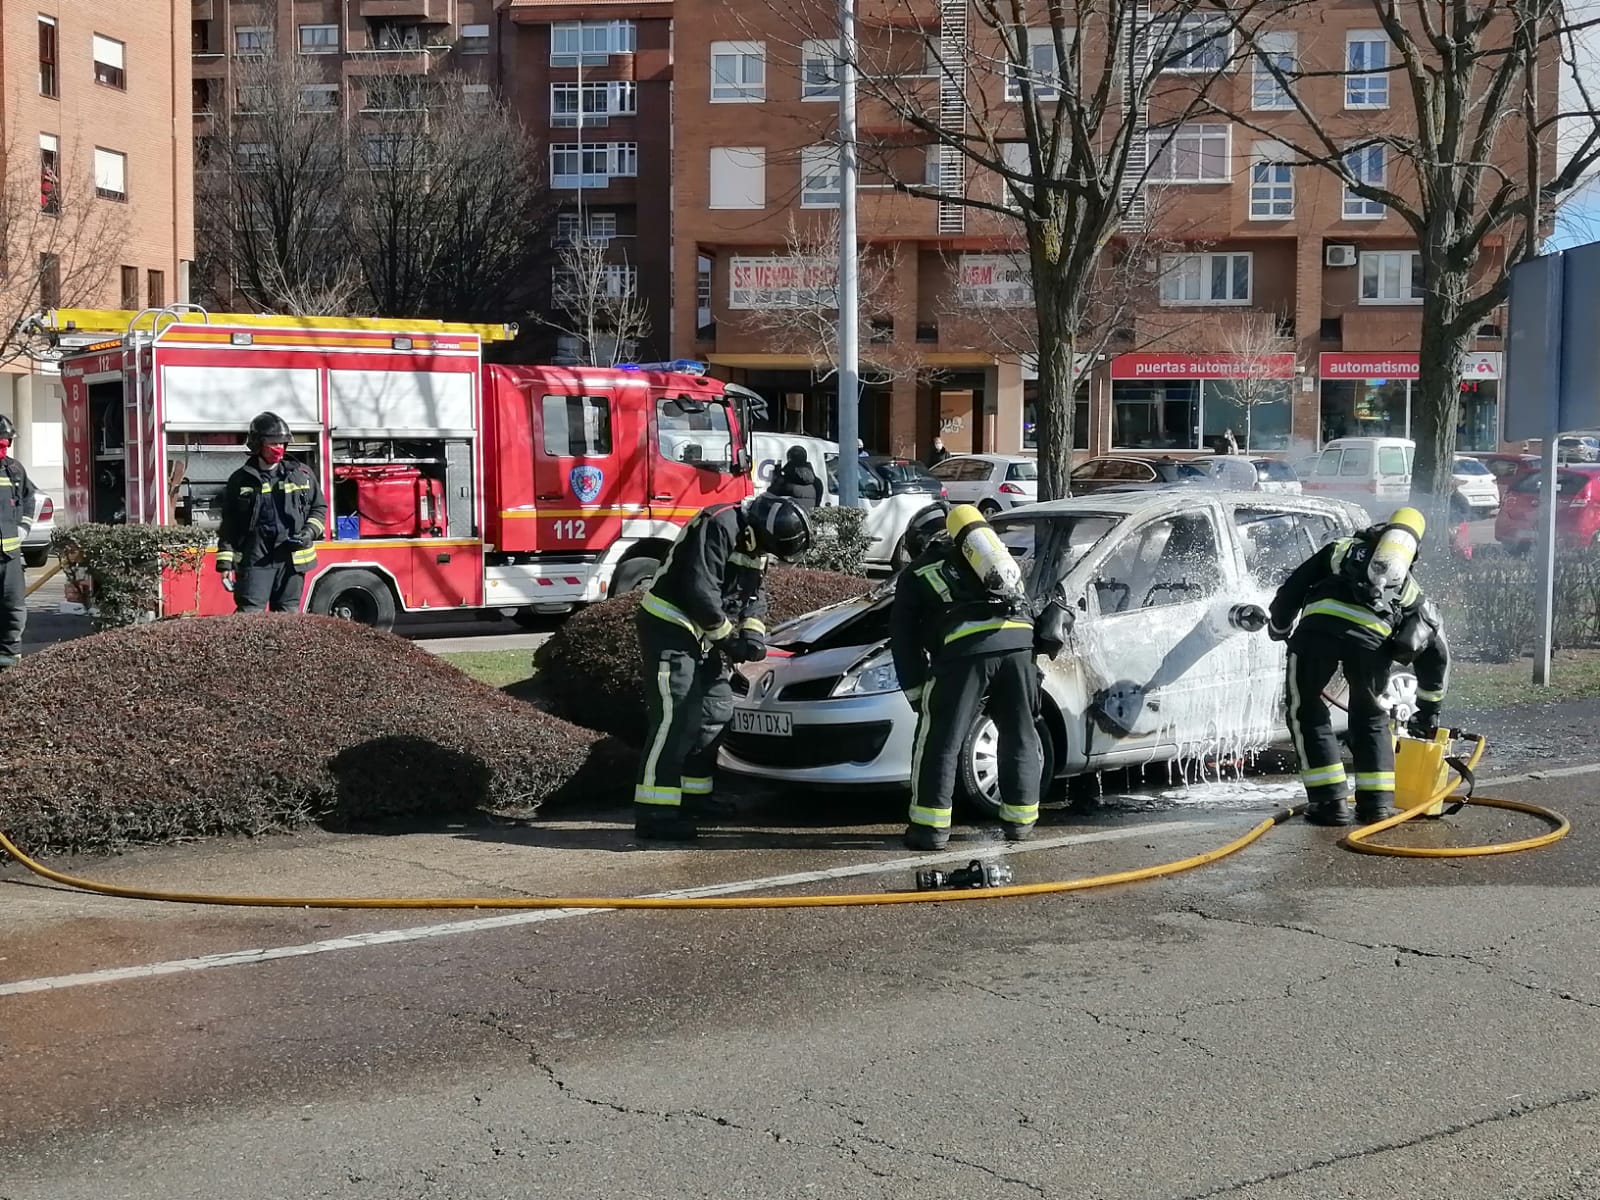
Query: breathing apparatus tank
<point x="983" y="551"/>
<point x="1396" y="551"/>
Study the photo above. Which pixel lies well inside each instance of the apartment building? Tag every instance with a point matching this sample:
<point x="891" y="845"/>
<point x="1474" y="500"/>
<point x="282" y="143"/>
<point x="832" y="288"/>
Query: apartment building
<point x="1245" y="241"/>
<point x="98" y="177"/>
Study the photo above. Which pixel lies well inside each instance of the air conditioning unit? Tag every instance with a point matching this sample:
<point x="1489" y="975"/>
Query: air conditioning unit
<point x="1340" y="256"/>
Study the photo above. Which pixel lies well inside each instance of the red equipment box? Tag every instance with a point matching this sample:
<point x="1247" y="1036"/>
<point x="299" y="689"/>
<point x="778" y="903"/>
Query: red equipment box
<point x="395" y="500"/>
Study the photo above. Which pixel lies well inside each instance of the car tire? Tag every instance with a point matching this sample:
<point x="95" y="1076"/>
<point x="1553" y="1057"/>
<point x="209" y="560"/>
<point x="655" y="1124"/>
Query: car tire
<point x="358" y="596"/>
<point x="989" y="509"/>
<point x="977" y="776"/>
<point x="35" y="558"/>
<point x="901" y="558"/>
<point x="634" y="575"/>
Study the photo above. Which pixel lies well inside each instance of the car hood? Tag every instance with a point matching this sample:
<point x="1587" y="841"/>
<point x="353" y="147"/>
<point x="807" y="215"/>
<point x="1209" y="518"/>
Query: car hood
<point x="862" y="621"/>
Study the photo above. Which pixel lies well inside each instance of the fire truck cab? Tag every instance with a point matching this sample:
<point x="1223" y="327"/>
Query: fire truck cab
<point x="452" y="484"/>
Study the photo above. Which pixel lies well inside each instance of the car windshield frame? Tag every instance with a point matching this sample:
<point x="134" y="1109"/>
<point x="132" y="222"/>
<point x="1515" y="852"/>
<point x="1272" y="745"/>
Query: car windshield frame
<point x="1058" y="527"/>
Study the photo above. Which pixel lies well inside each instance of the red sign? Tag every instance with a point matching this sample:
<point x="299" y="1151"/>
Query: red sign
<point x="1220" y="365"/>
<point x="1400" y="365"/>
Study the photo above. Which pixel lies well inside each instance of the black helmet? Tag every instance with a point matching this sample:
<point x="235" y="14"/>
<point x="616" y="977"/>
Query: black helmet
<point x="780" y="526"/>
<point x="926" y="525"/>
<point x="8" y="429"/>
<point x="268" y="427"/>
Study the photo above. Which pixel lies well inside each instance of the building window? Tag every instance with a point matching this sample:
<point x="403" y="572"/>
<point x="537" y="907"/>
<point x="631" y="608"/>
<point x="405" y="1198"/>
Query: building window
<point x="157" y="281"/>
<point x="602" y="227"/>
<point x="393" y="36"/>
<point x="474" y="39"/>
<point x="1042" y="68"/>
<point x="738" y="177"/>
<point x="819" y="71"/>
<point x="130" y="287"/>
<point x="1391" y="277"/>
<point x="1195" y="45"/>
<point x="475" y="97"/>
<point x="590" y="43"/>
<point x="738" y="72"/>
<point x="49" y="173"/>
<point x="319" y="39"/>
<point x="252" y="156"/>
<point x="1271" y="182"/>
<point x="703" y="327"/>
<point x="1205" y="279"/>
<point x="253" y="99"/>
<point x="47" y="57"/>
<point x="592" y="104"/>
<point x="50" y="281"/>
<point x="592" y="166"/>
<point x="1272" y="50"/>
<point x="1366" y="64"/>
<point x="108" y="62"/>
<point x="110" y="174"/>
<point x="1018" y="158"/>
<point x="615" y="281"/>
<point x="819" y="177"/>
<point x="1193" y="154"/>
<point x="252" y="39"/>
<point x="396" y="93"/>
<point x="1365" y="166"/>
<point x="319" y="97"/>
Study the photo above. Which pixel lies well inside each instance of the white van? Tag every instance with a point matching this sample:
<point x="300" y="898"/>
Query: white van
<point x="1374" y="472"/>
<point x="886" y="518"/>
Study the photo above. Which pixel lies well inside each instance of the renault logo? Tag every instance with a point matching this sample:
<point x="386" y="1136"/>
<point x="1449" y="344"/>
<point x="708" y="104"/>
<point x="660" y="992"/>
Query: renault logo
<point x="764" y="688"/>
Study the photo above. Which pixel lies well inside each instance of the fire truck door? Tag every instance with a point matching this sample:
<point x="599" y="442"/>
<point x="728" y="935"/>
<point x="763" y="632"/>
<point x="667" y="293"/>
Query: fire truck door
<point x="581" y="491"/>
<point x="694" y="456"/>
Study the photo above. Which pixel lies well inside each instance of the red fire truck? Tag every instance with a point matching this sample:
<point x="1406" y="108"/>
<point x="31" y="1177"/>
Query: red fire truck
<point x="452" y="483"/>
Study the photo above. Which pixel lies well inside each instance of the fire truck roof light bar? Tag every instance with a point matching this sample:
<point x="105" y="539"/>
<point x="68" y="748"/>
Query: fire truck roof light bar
<point x="120" y="321"/>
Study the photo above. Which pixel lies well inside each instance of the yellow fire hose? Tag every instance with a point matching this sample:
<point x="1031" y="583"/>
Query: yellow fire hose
<point x="1356" y="840"/>
<point x="54" y="570"/>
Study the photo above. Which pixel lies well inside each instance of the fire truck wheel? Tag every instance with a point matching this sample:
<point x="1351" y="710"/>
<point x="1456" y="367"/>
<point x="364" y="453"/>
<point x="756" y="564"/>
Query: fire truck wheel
<point x="358" y="596"/>
<point x="633" y="575"/>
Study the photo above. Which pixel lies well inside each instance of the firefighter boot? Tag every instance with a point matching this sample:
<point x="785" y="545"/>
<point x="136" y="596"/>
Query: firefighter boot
<point x="1016" y="832"/>
<point x="660" y="824"/>
<point x="926" y="837"/>
<point x="1372" y="809"/>
<point x="1326" y="811"/>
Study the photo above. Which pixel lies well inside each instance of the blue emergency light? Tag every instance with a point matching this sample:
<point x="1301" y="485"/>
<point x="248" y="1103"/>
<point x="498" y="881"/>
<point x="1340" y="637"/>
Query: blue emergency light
<point x="678" y="366"/>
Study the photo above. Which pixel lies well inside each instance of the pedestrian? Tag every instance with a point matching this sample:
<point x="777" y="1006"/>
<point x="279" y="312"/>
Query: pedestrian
<point x="688" y="642"/>
<point x="273" y="516"/>
<point x="18" y="499"/>
<point x="796" y="480"/>
<point x="939" y="452"/>
<point x="1360" y="609"/>
<point x="960" y="630"/>
<point x="861" y="448"/>
<point x="1230" y="444"/>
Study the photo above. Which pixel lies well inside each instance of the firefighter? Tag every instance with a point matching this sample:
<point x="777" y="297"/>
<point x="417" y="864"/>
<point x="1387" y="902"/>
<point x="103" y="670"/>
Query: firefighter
<point x="17" y="500"/>
<point x="273" y="515"/>
<point x="960" y="630"/>
<point x="1359" y="608"/>
<point x="689" y="644"/>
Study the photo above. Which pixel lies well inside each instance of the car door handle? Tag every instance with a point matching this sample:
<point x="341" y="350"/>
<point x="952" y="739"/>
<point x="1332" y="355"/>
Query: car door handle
<point x="550" y="496"/>
<point x="662" y="497"/>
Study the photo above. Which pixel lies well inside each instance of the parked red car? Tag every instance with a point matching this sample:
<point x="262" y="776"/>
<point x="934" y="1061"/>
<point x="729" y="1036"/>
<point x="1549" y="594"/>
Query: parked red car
<point x="1577" y="512"/>
<point x="1506" y="467"/>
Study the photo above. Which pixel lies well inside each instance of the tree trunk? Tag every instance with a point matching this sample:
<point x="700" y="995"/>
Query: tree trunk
<point x="1056" y="384"/>
<point x="1436" y="398"/>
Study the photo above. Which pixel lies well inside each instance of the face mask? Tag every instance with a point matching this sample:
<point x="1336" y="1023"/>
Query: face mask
<point x="5" y="448"/>
<point x="272" y="454"/>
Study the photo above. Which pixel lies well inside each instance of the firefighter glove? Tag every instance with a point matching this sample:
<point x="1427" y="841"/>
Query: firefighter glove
<point x="744" y="647"/>
<point x="1276" y="634"/>
<point x="1423" y="725"/>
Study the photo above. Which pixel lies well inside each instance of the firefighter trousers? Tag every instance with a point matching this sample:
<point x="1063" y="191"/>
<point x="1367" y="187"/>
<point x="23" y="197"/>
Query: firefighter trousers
<point x="950" y="702"/>
<point x="689" y="701"/>
<point x="1313" y="659"/>
<point x="13" y="606"/>
<point x="271" y="585"/>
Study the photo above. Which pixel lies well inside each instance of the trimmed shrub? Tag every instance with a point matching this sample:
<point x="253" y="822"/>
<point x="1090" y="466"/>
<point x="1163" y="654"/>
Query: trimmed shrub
<point x="117" y="569"/>
<point x="249" y="724"/>
<point x="589" y="670"/>
<point x="839" y="541"/>
<point x="1491" y="609"/>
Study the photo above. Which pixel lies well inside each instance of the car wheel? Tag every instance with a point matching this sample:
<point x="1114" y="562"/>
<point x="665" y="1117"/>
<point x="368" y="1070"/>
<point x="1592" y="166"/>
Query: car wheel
<point x="978" y="782"/>
<point x="35" y="558"/>
<point x="901" y="558"/>
<point x="633" y="576"/>
<point x="358" y="596"/>
<point x="988" y="508"/>
<point x="1400" y="697"/>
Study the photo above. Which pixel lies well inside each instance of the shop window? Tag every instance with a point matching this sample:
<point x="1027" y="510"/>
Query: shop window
<point x="576" y="426"/>
<point x="1155" y="416"/>
<point x="1256" y="411"/>
<point x="1364" y="408"/>
<point x="1478" y="422"/>
<point x="1030" y="415"/>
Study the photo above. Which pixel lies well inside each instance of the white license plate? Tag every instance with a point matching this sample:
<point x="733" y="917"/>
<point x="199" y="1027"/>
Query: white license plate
<point x="769" y="724"/>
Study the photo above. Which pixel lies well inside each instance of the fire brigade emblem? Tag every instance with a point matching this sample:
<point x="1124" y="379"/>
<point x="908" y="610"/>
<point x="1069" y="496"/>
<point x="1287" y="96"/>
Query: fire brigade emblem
<point x="586" y="483"/>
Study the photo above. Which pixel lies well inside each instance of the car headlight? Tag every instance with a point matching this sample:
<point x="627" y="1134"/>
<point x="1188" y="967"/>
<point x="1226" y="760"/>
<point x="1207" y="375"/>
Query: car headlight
<point x="872" y="677"/>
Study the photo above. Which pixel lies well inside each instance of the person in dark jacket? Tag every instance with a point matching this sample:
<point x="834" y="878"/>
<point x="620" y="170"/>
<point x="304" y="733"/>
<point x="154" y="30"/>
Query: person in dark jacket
<point x="687" y="640"/>
<point x="18" y="501"/>
<point x="1359" y="609"/>
<point x="797" y="481"/>
<point x="273" y="515"/>
<point x="939" y="453"/>
<point x="961" y="629"/>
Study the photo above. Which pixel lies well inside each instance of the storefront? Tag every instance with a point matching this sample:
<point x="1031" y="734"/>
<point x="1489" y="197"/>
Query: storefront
<point x="1191" y="401"/>
<point x="1371" y="395"/>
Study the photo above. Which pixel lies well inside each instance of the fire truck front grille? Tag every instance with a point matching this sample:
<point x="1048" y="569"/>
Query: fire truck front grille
<point x="813" y="745"/>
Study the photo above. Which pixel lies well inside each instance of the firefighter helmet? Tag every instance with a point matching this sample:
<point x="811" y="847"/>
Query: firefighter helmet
<point x="925" y="527"/>
<point x="780" y="526"/>
<point x="8" y="429"/>
<point x="267" y="428"/>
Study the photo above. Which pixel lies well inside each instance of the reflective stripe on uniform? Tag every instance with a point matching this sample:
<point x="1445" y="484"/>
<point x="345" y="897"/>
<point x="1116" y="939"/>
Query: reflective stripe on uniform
<point x="647" y="778"/>
<point x="1019" y="814"/>
<point x="1374" y="781"/>
<point x="667" y="611"/>
<point x="1340" y="549"/>
<point x="968" y="628"/>
<point x="756" y="561"/>
<point x="1410" y="593"/>
<point x="921" y="745"/>
<point x="225" y="557"/>
<point x="1353" y="613"/>
<point x="933" y="818"/>
<point x="930" y="574"/>
<point x="1323" y="776"/>
<point x="1431" y="697"/>
<point x="313" y="523"/>
<point x="305" y="557"/>
<point x="752" y="625"/>
<point x="10" y="544"/>
<point x="697" y="785"/>
<point x="665" y="797"/>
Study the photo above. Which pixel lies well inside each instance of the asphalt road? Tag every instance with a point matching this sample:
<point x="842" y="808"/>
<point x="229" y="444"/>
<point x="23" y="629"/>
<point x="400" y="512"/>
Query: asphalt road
<point x="1295" y="1022"/>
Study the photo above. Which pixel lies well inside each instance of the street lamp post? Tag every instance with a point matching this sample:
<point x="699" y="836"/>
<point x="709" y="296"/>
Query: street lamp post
<point x="848" y="279"/>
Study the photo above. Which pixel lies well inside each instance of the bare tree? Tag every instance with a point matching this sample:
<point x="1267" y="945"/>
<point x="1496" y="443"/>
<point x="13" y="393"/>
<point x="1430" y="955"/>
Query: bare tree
<point x="799" y="312"/>
<point x="1256" y="347"/>
<point x="272" y="203"/>
<point x="58" y="239"/>
<point x="594" y="298"/>
<point x="1467" y="155"/>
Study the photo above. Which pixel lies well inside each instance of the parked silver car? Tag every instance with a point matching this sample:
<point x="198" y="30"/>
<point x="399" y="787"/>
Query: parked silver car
<point x="1155" y="669"/>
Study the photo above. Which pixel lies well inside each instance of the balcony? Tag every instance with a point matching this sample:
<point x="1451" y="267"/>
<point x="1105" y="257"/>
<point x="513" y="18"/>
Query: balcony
<point x="899" y="14"/>
<point x="432" y="12"/>
<point x="204" y="10"/>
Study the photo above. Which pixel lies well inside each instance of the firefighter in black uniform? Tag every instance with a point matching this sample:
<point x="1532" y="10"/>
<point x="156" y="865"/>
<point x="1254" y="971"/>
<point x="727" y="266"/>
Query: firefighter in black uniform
<point x="273" y="516"/>
<point x="17" y="500"/>
<point x="1359" y="608"/>
<point x="689" y="642"/>
<point x="961" y="628"/>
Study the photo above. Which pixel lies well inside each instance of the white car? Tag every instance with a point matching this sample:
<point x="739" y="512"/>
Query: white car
<point x="994" y="482"/>
<point x="1155" y="669"/>
<point x="36" y="546"/>
<point x="1272" y="474"/>
<point x="1477" y="495"/>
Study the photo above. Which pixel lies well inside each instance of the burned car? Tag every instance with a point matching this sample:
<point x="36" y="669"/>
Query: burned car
<point x="1160" y="664"/>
